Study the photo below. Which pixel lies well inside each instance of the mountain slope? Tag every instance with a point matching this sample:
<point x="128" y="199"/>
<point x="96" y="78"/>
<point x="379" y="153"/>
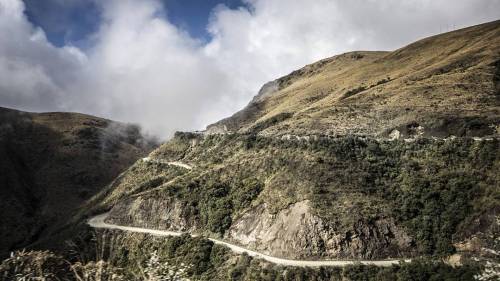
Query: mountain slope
<point x="443" y="85"/>
<point x="317" y="167"/>
<point x="366" y="155"/>
<point x="51" y="163"/>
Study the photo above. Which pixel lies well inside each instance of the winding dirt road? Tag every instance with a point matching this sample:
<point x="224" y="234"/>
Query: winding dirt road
<point x="98" y="222"/>
<point x="178" y="164"/>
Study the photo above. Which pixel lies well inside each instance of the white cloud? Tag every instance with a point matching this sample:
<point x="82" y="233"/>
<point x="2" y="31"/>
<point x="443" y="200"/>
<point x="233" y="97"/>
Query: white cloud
<point x="33" y="74"/>
<point x="143" y="69"/>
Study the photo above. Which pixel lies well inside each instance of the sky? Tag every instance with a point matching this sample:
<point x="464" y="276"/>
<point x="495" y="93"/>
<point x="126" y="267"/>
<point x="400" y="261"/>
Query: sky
<point x="173" y="65"/>
<point x="70" y="21"/>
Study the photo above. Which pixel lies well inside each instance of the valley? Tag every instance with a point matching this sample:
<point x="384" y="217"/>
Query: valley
<point x="363" y="166"/>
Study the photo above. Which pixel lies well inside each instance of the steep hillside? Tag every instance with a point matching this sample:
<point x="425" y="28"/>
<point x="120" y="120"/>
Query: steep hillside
<point x="51" y="163"/>
<point x="124" y="256"/>
<point x="347" y="197"/>
<point x="444" y="85"/>
<point x="364" y="155"/>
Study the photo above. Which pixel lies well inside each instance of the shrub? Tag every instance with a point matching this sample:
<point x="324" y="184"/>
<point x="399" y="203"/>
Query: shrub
<point x="354" y="91"/>
<point x="271" y="121"/>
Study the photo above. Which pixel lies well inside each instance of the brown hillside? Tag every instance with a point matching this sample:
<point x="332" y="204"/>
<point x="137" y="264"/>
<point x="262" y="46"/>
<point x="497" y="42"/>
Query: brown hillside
<point x="443" y="85"/>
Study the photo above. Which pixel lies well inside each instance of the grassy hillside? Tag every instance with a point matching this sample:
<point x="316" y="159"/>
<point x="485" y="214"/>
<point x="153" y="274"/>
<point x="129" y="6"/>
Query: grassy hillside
<point x="444" y="85"/>
<point x="51" y="163"/>
<point x="363" y="198"/>
<point x="363" y="155"/>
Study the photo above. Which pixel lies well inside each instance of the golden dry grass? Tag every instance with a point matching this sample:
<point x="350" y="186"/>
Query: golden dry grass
<point x="440" y="79"/>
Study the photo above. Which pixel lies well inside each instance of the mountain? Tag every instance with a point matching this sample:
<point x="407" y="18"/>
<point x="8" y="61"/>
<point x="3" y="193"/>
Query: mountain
<point x="316" y="166"/>
<point x="51" y="163"/>
<point x="362" y="156"/>
<point x="439" y="86"/>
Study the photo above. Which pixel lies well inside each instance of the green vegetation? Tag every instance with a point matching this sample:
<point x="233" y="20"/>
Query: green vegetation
<point x="365" y="193"/>
<point x="51" y="163"/>
<point x="427" y="186"/>
<point x="211" y="200"/>
<point x="123" y="256"/>
<point x="43" y="265"/>
<point x="140" y="177"/>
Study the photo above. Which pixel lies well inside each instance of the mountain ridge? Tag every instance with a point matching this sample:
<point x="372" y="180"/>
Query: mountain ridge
<point x="52" y="162"/>
<point x="409" y="85"/>
<point x="362" y="156"/>
<point x="375" y="120"/>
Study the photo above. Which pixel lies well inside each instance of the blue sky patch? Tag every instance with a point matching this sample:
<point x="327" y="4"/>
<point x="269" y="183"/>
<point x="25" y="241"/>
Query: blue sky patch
<point x="72" y="21"/>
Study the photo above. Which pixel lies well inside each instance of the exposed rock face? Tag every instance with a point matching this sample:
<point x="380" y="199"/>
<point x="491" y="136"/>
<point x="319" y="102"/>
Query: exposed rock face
<point x="152" y="213"/>
<point x="250" y="112"/>
<point x="216" y="129"/>
<point x="291" y="233"/>
<point x="296" y="233"/>
<point x="267" y="90"/>
<point x="395" y="135"/>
